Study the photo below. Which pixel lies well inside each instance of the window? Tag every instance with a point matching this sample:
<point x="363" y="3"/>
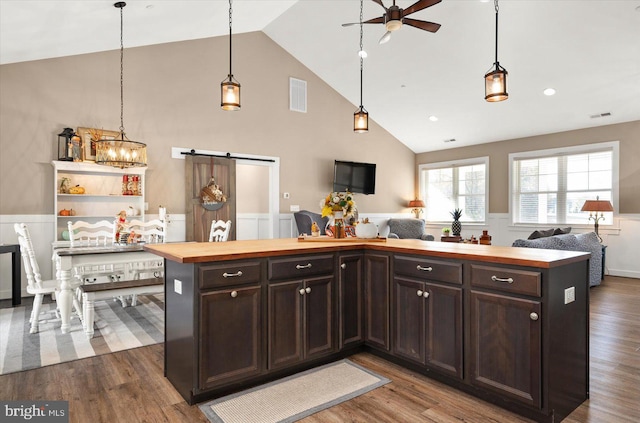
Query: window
<point x="550" y="186"/>
<point x="450" y="185"/>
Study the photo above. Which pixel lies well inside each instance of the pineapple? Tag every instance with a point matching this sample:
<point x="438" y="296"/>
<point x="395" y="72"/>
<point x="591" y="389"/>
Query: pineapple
<point x="456" y="226"/>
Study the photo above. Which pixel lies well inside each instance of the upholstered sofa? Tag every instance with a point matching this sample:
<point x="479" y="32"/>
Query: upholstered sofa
<point x="588" y="242"/>
<point x="408" y="228"/>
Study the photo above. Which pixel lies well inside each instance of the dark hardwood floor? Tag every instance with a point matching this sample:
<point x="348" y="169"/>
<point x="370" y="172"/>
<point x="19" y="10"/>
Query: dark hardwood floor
<point x="129" y="385"/>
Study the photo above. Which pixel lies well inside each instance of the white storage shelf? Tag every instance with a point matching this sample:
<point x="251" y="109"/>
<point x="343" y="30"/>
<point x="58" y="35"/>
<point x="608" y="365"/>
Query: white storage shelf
<point x="103" y="198"/>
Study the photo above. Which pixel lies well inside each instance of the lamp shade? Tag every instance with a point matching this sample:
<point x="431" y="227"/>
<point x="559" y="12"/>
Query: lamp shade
<point x="597" y="206"/>
<point x="416" y="203"/>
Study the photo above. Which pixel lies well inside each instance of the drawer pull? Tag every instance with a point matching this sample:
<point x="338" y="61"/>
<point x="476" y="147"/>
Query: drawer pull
<point x="425" y="294"/>
<point x="534" y="316"/>
<point x="343" y="265"/>
<point x="232" y="275"/>
<point x="308" y="290"/>
<point x="301" y="291"/>
<point x="419" y="293"/>
<point x="425" y="269"/>
<point x="497" y="279"/>
<point x="306" y="266"/>
<point x="234" y="294"/>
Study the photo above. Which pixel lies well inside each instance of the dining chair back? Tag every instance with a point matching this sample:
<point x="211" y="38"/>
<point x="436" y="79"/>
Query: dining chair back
<point x="219" y="231"/>
<point x="36" y="286"/>
<point x="151" y="232"/>
<point x="82" y="233"/>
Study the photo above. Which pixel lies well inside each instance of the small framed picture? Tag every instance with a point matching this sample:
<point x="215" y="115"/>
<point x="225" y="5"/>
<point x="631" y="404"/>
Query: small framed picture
<point x="89" y="137"/>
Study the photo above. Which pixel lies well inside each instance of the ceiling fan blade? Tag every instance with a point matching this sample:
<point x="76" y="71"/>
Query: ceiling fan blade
<point x="419" y="5"/>
<point x="370" y="21"/>
<point x="427" y="26"/>
<point x="380" y="3"/>
<point x="386" y="37"/>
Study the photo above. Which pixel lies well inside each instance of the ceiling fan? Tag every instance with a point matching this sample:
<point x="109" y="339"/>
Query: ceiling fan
<point x="395" y="16"/>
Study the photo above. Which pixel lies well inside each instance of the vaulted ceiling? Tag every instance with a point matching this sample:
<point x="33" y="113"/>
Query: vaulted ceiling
<point x="588" y="51"/>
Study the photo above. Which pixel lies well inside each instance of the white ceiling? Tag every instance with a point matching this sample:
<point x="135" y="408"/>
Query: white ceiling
<point x="589" y="51"/>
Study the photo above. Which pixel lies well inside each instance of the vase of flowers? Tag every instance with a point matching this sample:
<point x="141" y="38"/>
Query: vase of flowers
<point x="338" y="206"/>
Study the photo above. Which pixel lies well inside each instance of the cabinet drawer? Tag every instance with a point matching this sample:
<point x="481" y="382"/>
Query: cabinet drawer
<point x="426" y="268"/>
<point x="505" y="279"/>
<point x="297" y="267"/>
<point x="229" y="273"/>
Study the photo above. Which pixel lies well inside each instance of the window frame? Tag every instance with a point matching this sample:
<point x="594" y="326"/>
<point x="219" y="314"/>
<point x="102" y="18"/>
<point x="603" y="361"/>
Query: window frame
<point x="484" y="160"/>
<point x="613" y="146"/>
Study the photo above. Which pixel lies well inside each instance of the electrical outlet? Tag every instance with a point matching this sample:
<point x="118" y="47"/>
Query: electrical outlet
<point x="570" y="295"/>
<point x="286" y="195"/>
<point x="177" y="286"/>
<point x="294" y="208"/>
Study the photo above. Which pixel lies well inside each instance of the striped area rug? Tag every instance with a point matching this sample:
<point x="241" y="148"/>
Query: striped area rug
<point x="116" y="328"/>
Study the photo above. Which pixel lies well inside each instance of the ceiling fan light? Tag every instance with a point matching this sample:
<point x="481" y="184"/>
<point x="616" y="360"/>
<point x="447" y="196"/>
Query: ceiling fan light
<point x="495" y="84"/>
<point x="361" y="120"/>
<point x="393" y="25"/>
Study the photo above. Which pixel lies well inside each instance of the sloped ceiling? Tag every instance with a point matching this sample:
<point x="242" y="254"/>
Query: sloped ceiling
<point x="588" y="51"/>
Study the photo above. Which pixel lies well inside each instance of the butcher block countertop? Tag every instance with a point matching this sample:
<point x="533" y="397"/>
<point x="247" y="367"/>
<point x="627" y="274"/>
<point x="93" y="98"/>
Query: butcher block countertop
<point x="200" y="252"/>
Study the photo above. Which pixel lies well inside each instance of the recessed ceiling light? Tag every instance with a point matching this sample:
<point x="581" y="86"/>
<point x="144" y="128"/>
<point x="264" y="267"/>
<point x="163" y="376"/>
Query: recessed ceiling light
<point x="549" y="91"/>
<point x="433" y="118"/>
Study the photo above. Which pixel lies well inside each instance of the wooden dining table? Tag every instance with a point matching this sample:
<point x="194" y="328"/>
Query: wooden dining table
<point x="66" y="258"/>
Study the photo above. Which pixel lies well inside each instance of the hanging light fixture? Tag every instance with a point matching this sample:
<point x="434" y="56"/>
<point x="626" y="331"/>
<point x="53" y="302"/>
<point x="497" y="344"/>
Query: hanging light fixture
<point x="495" y="81"/>
<point x="230" y="88"/>
<point x="121" y="152"/>
<point x="361" y="116"/>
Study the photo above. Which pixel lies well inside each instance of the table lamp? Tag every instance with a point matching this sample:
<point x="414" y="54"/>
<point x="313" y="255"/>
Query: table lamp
<point x="417" y="206"/>
<point x="595" y="206"/>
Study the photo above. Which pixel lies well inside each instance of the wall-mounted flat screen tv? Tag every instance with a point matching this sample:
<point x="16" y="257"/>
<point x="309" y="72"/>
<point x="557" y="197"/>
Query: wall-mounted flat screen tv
<point x="354" y="177"/>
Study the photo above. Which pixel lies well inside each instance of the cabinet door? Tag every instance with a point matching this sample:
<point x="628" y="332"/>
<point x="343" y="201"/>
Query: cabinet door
<point x="408" y="319"/>
<point x="377" y="300"/>
<point x="350" y="295"/>
<point x="318" y="313"/>
<point x="443" y="341"/>
<point x="505" y="346"/>
<point x="285" y="323"/>
<point x="229" y="335"/>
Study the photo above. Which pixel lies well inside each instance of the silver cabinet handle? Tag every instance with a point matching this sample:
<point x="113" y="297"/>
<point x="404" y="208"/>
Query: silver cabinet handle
<point x="534" y="316"/>
<point x="232" y="275"/>
<point x="234" y="294"/>
<point x="497" y="279"/>
<point x="419" y="293"/>
<point x="343" y="265"/>
<point x="306" y="266"/>
<point x="308" y="290"/>
<point x="425" y="269"/>
<point x="301" y="291"/>
<point x="425" y="294"/>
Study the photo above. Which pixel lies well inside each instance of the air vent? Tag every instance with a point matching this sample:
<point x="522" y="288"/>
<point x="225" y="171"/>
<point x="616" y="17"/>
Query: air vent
<point x="599" y="115"/>
<point x="450" y="140"/>
<point x="297" y="95"/>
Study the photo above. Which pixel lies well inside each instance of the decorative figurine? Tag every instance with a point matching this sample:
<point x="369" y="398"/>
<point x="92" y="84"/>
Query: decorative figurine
<point x="315" y="230"/>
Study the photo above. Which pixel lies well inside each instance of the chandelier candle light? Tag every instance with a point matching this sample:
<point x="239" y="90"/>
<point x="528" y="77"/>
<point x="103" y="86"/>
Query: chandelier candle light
<point x="121" y="152"/>
<point x="361" y="116"/>
<point x="230" y="88"/>
<point x="495" y="81"/>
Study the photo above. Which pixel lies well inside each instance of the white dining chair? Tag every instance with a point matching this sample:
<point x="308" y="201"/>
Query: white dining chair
<point x="36" y="286"/>
<point x="150" y="232"/>
<point x="219" y="231"/>
<point x="86" y="234"/>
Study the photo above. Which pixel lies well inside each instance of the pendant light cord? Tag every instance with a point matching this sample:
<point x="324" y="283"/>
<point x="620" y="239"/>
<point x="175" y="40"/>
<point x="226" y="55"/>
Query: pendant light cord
<point x="230" y="21"/>
<point x="121" y="75"/>
<point x="361" y="54"/>
<point x="496" y="6"/>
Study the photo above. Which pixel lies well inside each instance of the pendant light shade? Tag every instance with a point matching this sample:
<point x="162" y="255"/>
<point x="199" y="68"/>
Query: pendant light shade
<point x="361" y="116"/>
<point x="121" y="152"/>
<point x="230" y="88"/>
<point x="495" y="81"/>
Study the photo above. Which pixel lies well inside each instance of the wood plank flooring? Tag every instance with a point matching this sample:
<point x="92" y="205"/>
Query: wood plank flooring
<point x="129" y="385"/>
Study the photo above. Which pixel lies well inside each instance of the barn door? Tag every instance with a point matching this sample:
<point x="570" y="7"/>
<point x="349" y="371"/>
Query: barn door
<point x="199" y="171"/>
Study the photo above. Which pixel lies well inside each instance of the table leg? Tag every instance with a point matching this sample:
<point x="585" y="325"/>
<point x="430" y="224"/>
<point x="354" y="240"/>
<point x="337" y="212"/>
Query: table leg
<point x="16" y="278"/>
<point x="65" y="299"/>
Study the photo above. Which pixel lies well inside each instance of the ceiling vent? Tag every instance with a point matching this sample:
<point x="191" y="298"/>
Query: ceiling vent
<point x="599" y="115"/>
<point x="297" y="95"/>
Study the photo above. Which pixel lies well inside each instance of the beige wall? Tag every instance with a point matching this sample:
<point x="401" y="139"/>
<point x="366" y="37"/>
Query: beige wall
<point x="172" y="100"/>
<point x="627" y="133"/>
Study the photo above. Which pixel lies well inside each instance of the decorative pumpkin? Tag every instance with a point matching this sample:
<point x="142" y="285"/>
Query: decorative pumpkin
<point x="76" y="190"/>
<point x="65" y="212"/>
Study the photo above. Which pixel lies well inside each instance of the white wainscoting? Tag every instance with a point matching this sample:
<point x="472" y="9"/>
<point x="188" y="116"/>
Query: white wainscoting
<point x="623" y="255"/>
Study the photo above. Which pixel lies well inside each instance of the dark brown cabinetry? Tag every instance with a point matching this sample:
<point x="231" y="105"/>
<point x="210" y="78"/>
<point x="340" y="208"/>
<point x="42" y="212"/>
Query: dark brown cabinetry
<point x="350" y="299"/>
<point x="376" y="293"/>
<point x="230" y="335"/>
<point x="427" y="316"/>
<point x="300" y="315"/>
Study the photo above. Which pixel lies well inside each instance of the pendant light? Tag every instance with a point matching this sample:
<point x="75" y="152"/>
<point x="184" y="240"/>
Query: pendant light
<point x="495" y="81"/>
<point x="361" y="116"/>
<point x="230" y="88"/>
<point x="121" y="152"/>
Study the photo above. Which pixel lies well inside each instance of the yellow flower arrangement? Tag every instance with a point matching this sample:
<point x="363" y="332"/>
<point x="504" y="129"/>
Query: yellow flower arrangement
<point x="338" y="201"/>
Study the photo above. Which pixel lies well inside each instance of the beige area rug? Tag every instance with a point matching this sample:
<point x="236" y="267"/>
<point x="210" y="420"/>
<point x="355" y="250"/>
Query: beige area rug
<point x="116" y="328"/>
<point x="295" y="397"/>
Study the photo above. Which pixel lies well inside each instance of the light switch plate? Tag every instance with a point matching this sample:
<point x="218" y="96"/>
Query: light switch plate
<point x="177" y="286"/>
<point x="294" y="208"/>
<point x="570" y="295"/>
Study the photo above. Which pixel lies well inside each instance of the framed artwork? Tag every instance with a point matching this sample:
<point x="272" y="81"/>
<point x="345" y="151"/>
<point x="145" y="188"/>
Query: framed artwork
<point x="89" y="136"/>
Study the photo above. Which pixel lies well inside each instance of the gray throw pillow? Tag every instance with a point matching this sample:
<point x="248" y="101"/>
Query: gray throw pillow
<point x="560" y="231"/>
<point x="541" y="234"/>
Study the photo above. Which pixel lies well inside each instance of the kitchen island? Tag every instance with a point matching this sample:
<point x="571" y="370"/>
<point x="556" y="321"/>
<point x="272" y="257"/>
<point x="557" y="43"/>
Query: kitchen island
<point x="509" y="325"/>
